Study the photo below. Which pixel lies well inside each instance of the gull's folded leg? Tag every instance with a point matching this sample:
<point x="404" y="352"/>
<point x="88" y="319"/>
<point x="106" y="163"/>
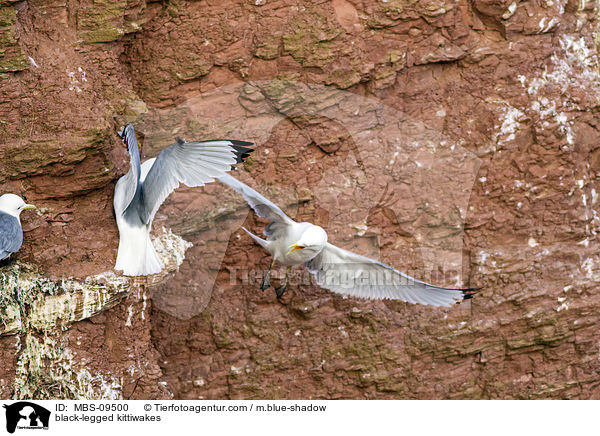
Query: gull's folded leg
<point x="266" y="282"/>
<point x="281" y="289"/>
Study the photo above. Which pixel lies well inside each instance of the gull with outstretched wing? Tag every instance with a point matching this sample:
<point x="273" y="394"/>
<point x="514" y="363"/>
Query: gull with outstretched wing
<point x="341" y="271"/>
<point x="140" y="192"/>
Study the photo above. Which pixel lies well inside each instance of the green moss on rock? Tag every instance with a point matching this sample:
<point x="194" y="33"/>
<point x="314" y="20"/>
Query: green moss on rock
<point x="344" y="78"/>
<point x="191" y="67"/>
<point x="12" y="57"/>
<point x="102" y="21"/>
<point x="310" y="39"/>
<point x="268" y="48"/>
<point x="41" y="155"/>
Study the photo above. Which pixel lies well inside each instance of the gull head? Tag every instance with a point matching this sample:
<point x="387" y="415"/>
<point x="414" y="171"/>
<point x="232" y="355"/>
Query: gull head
<point x="313" y="239"/>
<point x="13" y="205"/>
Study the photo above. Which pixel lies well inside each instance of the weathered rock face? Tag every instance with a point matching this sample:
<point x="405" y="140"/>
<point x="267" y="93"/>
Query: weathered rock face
<point x="456" y="140"/>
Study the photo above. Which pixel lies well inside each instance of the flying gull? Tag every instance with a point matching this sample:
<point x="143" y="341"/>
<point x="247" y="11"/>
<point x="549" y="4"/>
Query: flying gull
<point x="11" y="232"/>
<point x="140" y="192"/>
<point x="341" y="271"/>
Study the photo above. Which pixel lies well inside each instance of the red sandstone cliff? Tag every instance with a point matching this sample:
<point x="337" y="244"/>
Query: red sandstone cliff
<point x="456" y="140"/>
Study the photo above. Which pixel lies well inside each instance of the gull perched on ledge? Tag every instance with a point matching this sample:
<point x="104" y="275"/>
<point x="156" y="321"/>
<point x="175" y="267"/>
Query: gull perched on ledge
<point x="140" y="192"/>
<point x="341" y="271"/>
<point x="11" y="232"/>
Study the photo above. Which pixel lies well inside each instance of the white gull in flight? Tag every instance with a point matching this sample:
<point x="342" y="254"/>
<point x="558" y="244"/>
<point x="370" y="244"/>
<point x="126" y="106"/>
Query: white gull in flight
<point x="341" y="271"/>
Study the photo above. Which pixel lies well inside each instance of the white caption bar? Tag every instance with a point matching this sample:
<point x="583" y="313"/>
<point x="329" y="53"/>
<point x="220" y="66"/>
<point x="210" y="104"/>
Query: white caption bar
<point x="285" y="418"/>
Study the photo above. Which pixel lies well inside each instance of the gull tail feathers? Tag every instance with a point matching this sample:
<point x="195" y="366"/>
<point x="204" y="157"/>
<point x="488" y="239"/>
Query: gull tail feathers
<point x="150" y="263"/>
<point x="137" y="256"/>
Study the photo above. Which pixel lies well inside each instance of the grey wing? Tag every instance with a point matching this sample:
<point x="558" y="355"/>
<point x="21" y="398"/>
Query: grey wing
<point x="347" y="273"/>
<point x="130" y="182"/>
<point x="11" y="235"/>
<point x="264" y="208"/>
<point x="190" y="163"/>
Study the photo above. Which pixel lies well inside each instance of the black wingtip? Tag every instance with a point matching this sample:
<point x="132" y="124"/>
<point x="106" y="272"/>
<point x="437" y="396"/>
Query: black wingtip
<point x="469" y="293"/>
<point x="242" y="150"/>
<point x="124" y="131"/>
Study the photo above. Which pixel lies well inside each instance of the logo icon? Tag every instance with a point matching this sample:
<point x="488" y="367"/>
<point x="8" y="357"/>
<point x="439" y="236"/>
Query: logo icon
<point x="26" y="415"/>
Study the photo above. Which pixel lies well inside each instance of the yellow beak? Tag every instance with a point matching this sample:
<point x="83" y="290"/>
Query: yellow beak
<point x="294" y="247"/>
<point x="29" y="206"/>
